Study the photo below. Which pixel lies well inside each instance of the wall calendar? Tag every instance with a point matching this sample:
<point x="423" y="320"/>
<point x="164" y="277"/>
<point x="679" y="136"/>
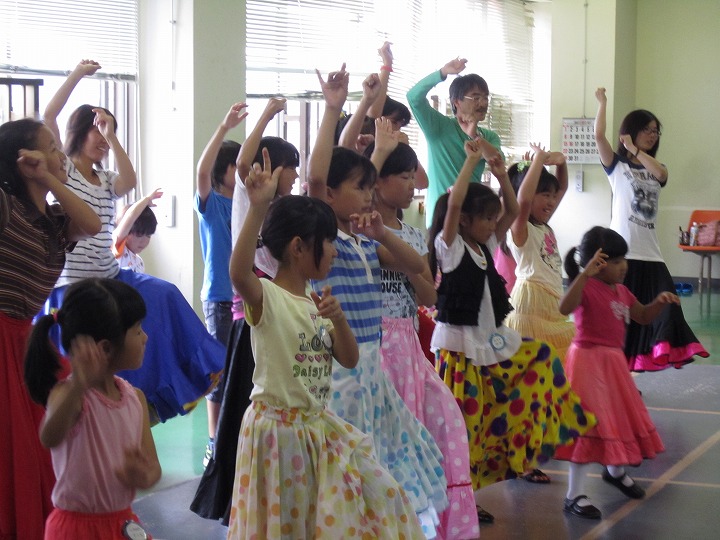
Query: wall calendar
<point x="578" y="140"/>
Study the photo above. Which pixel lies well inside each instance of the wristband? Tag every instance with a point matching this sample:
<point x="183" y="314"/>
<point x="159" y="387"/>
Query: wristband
<point x="387" y="68"/>
<point x="637" y="152"/>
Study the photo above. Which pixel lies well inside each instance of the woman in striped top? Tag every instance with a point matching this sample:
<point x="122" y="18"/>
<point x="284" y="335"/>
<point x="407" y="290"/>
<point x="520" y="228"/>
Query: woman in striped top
<point x="183" y="361"/>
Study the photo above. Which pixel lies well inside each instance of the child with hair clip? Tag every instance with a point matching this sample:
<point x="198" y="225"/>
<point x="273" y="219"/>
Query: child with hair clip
<point x="213" y="206"/>
<point x="363" y="395"/>
<point x="301" y="472"/>
<point x="517" y="404"/>
<point x="597" y="369"/>
<point x="34" y="238"/>
<point x="538" y="286"/>
<point x="636" y="178"/>
<point x="214" y="494"/>
<point x="135" y="225"/>
<point x="402" y="357"/>
<point x="96" y="424"/>
<point x="182" y="361"/>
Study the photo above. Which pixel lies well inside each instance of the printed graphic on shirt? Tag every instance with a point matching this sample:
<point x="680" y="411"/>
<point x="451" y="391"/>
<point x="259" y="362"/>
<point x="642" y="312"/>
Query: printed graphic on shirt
<point x="644" y="204"/>
<point x="314" y="360"/>
<point x="549" y="252"/>
<point x="620" y="311"/>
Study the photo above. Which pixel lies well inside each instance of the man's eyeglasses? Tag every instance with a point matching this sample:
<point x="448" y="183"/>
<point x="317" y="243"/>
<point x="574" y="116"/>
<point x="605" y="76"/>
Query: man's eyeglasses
<point x="478" y="99"/>
<point x="651" y="131"/>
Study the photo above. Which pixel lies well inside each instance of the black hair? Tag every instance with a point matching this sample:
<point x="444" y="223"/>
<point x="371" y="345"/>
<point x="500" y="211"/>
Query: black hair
<point x="464" y="84"/>
<point x="14" y="136"/>
<point x="227" y="155"/>
<point x="81" y="121"/>
<point x="402" y="159"/>
<point x="281" y="152"/>
<point x="547" y="182"/>
<point x="310" y="219"/>
<point x="611" y="243"/>
<point x="392" y="107"/>
<point x="99" y="308"/>
<point x="344" y="163"/>
<point x="633" y="123"/>
<point x="145" y="224"/>
<point x="480" y="201"/>
<point x="367" y="128"/>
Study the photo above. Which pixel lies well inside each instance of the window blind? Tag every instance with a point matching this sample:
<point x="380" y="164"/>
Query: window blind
<point x="53" y="35"/>
<point x="288" y="39"/>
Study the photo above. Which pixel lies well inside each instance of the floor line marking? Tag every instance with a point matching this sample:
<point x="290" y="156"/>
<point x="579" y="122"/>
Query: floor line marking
<point x="656" y="486"/>
<point x="643" y="479"/>
<point x="689" y="411"/>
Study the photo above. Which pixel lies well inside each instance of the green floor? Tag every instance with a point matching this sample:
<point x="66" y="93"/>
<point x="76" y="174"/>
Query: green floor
<point x="181" y="441"/>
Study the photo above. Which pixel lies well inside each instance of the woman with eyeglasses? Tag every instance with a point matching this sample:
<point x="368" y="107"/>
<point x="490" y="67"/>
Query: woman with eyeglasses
<point x="636" y="178"/>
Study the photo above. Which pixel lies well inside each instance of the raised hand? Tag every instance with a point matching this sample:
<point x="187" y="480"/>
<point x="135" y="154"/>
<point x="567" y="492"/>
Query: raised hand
<point x="454" y="66"/>
<point x="104" y="122"/>
<point x="275" y="105"/>
<point x="235" y="116"/>
<point x="335" y="89"/>
<point x="87" y="67"/>
<point x="600" y="95"/>
<point x="497" y="167"/>
<point x="369" y="224"/>
<point x="628" y="143"/>
<point x="156" y="194"/>
<point x="386" y="54"/>
<point x="386" y="140"/>
<point x="262" y="181"/>
<point x="371" y="87"/>
<point x="327" y="305"/>
<point x="89" y="362"/>
<point x="596" y="264"/>
<point x="540" y="153"/>
<point x="473" y="151"/>
<point x="33" y="166"/>
<point x="363" y="141"/>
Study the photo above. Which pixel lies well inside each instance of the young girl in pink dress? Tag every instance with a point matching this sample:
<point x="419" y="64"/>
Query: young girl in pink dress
<point x="96" y="424"/>
<point x="402" y="357"/>
<point x="597" y="369"/>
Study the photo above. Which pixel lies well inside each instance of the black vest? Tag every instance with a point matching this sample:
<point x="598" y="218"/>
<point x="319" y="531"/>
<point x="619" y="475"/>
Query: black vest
<point x="461" y="290"/>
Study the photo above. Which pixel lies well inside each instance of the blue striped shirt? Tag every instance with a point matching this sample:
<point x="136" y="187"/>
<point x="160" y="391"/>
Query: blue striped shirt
<point x="355" y="282"/>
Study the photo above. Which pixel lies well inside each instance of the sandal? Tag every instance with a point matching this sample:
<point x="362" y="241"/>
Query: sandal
<point x="483" y="515"/>
<point x="588" y="511"/>
<point x="536" y="476"/>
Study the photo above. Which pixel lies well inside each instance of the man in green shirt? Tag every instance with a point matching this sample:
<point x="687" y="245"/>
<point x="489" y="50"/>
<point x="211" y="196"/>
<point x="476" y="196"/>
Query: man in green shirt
<point x="446" y="136"/>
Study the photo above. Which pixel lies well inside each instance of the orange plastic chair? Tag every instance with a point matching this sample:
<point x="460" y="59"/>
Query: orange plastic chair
<point x="705" y="252"/>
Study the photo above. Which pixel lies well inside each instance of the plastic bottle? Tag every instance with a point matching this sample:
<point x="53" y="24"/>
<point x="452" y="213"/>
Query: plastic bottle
<point x="694" y="234"/>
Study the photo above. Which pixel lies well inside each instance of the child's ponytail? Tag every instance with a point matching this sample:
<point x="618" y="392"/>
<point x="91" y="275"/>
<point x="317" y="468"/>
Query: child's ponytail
<point x="438" y="221"/>
<point x="42" y="361"/>
<point x="572" y="269"/>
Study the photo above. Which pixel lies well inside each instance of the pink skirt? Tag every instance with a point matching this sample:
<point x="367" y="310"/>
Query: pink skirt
<point x="432" y="402"/>
<point x="625" y="433"/>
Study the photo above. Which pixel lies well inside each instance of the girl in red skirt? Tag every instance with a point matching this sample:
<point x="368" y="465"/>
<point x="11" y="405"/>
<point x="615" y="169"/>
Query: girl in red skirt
<point x="597" y="369"/>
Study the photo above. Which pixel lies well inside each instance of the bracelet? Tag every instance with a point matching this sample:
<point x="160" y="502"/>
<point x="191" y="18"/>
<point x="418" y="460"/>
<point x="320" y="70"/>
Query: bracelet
<point x="386" y="68"/>
<point x="637" y="152"/>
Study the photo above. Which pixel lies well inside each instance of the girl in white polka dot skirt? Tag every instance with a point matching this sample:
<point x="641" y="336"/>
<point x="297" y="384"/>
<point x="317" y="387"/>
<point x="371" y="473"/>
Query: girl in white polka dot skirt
<point x="301" y="471"/>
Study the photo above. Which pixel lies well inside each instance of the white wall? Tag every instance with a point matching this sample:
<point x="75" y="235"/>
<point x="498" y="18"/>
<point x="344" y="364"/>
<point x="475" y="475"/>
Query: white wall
<point x="191" y="72"/>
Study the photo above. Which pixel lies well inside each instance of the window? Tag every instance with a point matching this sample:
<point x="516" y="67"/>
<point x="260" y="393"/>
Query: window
<point x="288" y="39"/>
<point x="44" y="39"/>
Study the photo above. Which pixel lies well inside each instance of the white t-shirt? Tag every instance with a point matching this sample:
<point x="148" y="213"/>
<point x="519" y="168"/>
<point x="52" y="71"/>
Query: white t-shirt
<point x="636" y="196"/>
<point x="399" y="301"/>
<point x="240" y="206"/>
<point x="484" y="344"/>
<point x="539" y="259"/>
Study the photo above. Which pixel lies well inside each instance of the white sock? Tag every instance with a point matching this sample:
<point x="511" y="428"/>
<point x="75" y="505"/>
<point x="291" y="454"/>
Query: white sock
<point x="576" y="482"/>
<point x="619" y="472"/>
